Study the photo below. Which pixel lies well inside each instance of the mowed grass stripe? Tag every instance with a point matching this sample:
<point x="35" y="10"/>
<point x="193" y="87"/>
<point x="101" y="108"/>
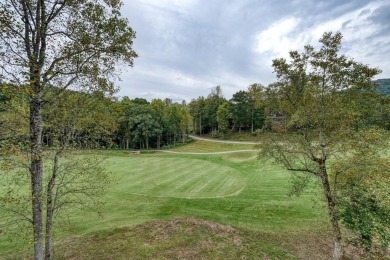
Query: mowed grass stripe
<point x="181" y="184"/>
<point x="199" y="173"/>
<point x="158" y="176"/>
<point x="202" y="177"/>
<point x="199" y="184"/>
<point x="202" y="182"/>
<point x="219" y="175"/>
<point x="178" y="177"/>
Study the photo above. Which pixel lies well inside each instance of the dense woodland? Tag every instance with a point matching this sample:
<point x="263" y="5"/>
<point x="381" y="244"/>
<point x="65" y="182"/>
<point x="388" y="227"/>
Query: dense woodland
<point x="97" y="120"/>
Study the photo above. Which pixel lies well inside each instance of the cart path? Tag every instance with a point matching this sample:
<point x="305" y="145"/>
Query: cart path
<point x="220" y="141"/>
<point x="224" y="152"/>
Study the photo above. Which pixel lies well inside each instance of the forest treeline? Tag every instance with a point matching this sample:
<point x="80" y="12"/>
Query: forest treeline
<point x="91" y="120"/>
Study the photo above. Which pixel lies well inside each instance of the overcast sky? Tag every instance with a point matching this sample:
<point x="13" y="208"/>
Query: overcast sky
<point x="186" y="47"/>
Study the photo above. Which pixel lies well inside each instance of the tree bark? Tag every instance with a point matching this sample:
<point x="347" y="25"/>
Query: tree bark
<point x="337" y="249"/>
<point x="194" y="125"/>
<point x="50" y="209"/>
<point x="200" y="125"/>
<point x="36" y="172"/>
<point x="252" y="121"/>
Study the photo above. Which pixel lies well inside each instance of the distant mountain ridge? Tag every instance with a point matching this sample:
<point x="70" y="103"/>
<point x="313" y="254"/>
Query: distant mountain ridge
<point x="383" y="87"/>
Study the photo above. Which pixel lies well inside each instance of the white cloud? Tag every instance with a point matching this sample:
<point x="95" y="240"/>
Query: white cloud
<point x="354" y="25"/>
<point x="358" y="29"/>
<point x="277" y="37"/>
<point x="188" y="46"/>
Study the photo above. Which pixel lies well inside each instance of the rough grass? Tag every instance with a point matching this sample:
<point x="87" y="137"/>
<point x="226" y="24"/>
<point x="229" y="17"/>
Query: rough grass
<point x="236" y="136"/>
<point x="178" y="238"/>
<point x="207" y="147"/>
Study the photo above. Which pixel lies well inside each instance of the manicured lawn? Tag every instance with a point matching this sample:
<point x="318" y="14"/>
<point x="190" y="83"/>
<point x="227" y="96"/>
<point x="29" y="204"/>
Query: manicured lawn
<point x="175" y="177"/>
<point x="236" y="190"/>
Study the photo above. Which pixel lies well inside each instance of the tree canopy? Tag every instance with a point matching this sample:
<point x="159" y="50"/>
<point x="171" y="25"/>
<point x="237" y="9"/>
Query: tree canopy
<point x="320" y="94"/>
<point x="58" y="44"/>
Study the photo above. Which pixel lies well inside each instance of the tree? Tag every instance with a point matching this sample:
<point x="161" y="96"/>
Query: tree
<point x="212" y="102"/>
<point x="77" y="120"/>
<point x="143" y="124"/>
<point x="173" y="122"/>
<point x="159" y="107"/>
<point x="240" y="109"/>
<point x="61" y="44"/>
<point x="121" y="109"/>
<point x="223" y="116"/>
<point x="197" y="111"/>
<point x="318" y="93"/>
<point x="363" y="197"/>
<point x="255" y="98"/>
<point x="185" y="121"/>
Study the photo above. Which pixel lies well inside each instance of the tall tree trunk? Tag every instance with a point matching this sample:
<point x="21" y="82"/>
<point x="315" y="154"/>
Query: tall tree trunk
<point x="36" y="172"/>
<point x="200" y="125"/>
<point x="158" y="141"/>
<point x="337" y="249"/>
<point x="252" y="121"/>
<point x="234" y="126"/>
<point x="50" y="208"/>
<point x="194" y="125"/>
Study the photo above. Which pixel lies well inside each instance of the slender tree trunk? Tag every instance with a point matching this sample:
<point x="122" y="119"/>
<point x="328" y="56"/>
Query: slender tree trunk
<point x="252" y="121"/>
<point x="158" y="141"/>
<point x="234" y="125"/>
<point x="200" y="125"/>
<point x="337" y="250"/>
<point x="36" y="172"/>
<point x="50" y="208"/>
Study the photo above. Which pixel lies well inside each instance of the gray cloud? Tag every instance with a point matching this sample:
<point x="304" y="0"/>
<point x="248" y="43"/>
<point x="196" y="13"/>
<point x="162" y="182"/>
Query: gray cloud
<point x="188" y="46"/>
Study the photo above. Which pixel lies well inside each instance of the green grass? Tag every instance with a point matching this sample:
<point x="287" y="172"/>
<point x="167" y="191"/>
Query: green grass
<point x="236" y="136"/>
<point x="236" y="190"/>
<point x="175" y="177"/>
<point x="207" y="147"/>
